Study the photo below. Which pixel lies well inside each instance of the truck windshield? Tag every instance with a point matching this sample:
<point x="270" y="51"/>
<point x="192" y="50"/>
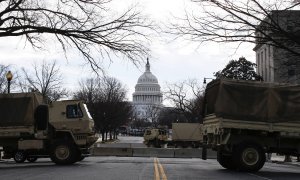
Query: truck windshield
<point x="74" y="111"/>
<point x="87" y="111"/>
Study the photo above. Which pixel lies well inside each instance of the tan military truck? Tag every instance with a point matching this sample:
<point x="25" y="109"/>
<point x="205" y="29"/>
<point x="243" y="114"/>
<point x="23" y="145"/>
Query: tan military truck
<point x="155" y="137"/>
<point x="29" y="128"/>
<point x="183" y="135"/>
<point x="244" y="120"/>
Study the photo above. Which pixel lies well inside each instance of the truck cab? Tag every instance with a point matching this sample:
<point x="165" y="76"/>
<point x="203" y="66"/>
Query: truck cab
<point x="73" y="118"/>
<point x="155" y="136"/>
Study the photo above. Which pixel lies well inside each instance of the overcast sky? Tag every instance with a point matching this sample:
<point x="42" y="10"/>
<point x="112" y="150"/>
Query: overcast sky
<point x="170" y="62"/>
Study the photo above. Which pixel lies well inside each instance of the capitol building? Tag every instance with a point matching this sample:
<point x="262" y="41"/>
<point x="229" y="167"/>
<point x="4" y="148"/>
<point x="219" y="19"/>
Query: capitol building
<point x="147" y="98"/>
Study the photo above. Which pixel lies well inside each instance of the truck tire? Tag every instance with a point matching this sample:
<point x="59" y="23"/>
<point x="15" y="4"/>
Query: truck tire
<point x="157" y="143"/>
<point x="20" y="156"/>
<point x="31" y="159"/>
<point x="81" y="158"/>
<point x="249" y="157"/>
<point x="225" y="160"/>
<point x="63" y="153"/>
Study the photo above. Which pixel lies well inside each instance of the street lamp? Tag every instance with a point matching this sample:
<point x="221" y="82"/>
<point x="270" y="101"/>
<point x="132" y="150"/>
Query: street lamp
<point x="9" y="77"/>
<point x="204" y="81"/>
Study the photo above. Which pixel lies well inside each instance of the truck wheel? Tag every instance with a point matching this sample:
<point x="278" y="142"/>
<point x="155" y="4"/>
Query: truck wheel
<point x="81" y="158"/>
<point x="64" y="153"/>
<point x="31" y="159"/>
<point x="157" y="143"/>
<point x="225" y="160"/>
<point x="249" y="157"/>
<point x="20" y="156"/>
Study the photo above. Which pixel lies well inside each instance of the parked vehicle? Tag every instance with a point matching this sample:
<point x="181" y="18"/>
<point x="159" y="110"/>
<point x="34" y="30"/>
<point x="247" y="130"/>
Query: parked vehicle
<point x="29" y="128"/>
<point x="244" y="120"/>
<point x="123" y="130"/>
<point x="183" y="135"/>
<point x="155" y="137"/>
<point x="136" y="132"/>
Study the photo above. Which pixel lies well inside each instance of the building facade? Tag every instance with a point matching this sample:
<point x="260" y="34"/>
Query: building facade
<point x="147" y="98"/>
<point x="276" y="64"/>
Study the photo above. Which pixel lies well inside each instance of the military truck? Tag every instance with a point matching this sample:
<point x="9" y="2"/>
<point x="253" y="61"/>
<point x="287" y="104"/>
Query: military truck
<point x="183" y="135"/>
<point x="30" y="128"/>
<point x="244" y="120"/>
<point x="155" y="137"/>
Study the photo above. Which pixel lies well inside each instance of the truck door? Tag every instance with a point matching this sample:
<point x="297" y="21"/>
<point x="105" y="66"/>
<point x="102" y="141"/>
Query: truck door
<point x="41" y="117"/>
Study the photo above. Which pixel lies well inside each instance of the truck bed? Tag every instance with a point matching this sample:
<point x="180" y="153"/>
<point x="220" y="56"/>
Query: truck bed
<point x="214" y="125"/>
<point x="187" y="132"/>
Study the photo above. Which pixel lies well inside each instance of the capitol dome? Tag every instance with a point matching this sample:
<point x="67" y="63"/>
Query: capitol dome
<point x="147" y="92"/>
<point x="147" y="77"/>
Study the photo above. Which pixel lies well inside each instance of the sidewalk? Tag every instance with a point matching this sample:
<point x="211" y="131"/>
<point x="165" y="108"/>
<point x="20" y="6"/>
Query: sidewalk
<point x="280" y="160"/>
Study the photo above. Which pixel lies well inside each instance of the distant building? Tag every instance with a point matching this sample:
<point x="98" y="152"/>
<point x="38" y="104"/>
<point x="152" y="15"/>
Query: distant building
<point x="147" y="98"/>
<point x="275" y="64"/>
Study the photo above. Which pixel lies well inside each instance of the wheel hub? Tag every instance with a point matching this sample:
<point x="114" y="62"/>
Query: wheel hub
<point x="19" y="156"/>
<point x="250" y="156"/>
<point x="62" y="152"/>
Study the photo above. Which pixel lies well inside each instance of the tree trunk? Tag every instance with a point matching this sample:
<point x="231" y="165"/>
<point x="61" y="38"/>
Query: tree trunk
<point x="287" y="158"/>
<point x="110" y="135"/>
<point x="102" y="134"/>
<point x="116" y="134"/>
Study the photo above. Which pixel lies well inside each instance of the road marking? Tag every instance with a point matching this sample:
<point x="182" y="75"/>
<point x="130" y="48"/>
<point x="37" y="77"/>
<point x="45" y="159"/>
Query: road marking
<point x="158" y="166"/>
<point x="162" y="172"/>
<point x="156" y="173"/>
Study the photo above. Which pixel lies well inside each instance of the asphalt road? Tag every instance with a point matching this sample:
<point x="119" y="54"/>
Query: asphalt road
<point x="132" y="168"/>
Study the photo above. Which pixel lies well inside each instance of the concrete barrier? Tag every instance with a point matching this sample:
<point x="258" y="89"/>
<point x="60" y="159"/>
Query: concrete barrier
<point x="109" y="151"/>
<point x="193" y="153"/>
<point x="187" y="153"/>
<point x="138" y="145"/>
<point x="153" y="152"/>
<point x="114" y="145"/>
<point x="211" y="154"/>
<point x="121" y="145"/>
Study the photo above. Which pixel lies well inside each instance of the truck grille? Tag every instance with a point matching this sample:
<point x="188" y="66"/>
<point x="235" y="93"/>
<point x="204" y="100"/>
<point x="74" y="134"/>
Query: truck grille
<point x="80" y="137"/>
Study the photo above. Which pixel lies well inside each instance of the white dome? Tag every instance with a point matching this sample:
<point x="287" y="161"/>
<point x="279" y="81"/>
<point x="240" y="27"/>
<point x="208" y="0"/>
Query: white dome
<point x="147" y="78"/>
<point x="147" y="89"/>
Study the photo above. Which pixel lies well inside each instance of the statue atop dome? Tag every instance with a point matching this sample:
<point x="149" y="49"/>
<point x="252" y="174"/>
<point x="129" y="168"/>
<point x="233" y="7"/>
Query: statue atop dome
<point x="148" y="66"/>
<point x="147" y="77"/>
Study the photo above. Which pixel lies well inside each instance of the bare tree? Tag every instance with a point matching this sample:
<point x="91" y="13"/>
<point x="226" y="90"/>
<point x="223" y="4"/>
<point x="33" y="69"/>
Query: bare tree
<point x="3" y="81"/>
<point x="47" y="79"/>
<point x="152" y="113"/>
<point x="87" y="25"/>
<point x="88" y="90"/>
<point x="187" y="97"/>
<point x="106" y="100"/>
<point x="252" y="21"/>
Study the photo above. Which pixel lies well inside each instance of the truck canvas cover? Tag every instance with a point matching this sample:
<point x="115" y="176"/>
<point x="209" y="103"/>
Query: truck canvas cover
<point x="186" y="131"/>
<point x="17" y="109"/>
<point x="252" y="100"/>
